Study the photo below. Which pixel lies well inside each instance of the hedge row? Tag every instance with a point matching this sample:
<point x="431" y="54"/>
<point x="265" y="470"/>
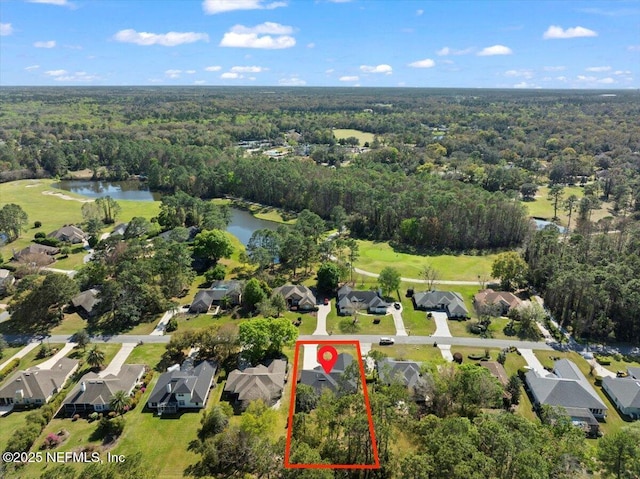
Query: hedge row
<point x="9" y="368"/>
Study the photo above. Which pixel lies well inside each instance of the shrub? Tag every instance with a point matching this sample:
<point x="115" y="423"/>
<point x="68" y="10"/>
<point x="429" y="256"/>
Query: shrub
<point x="37" y="418"/>
<point x="47" y="241"/>
<point x="37" y="224"/>
<point x="51" y="441"/>
<point x="43" y="351"/>
<point x="23" y="438"/>
<point x="9" y="368"/>
<point x="457" y="357"/>
<point x="172" y="325"/>
<point x="93" y="416"/>
<point x="217" y="273"/>
<point x="40" y="235"/>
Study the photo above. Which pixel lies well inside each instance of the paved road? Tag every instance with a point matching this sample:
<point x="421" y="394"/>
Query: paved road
<point x="117" y="339"/>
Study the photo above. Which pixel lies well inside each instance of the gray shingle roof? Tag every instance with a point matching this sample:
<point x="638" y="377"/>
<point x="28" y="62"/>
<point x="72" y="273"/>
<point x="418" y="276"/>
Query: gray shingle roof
<point x="348" y="298"/>
<point x="626" y="390"/>
<point x="634" y="372"/>
<point x="260" y="382"/>
<point x="408" y="372"/>
<point x="319" y="380"/>
<point x="195" y="383"/>
<point x="86" y="300"/>
<point x="100" y="390"/>
<point x="69" y="233"/>
<point x="298" y="294"/>
<point x="37" y="383"/>
<point x="450" y="301"/>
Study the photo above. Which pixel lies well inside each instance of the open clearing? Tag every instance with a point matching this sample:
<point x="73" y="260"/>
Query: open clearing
<point x="363" y="136"/>
<point x="542" y="207"/>
<point x="374" y="256"/>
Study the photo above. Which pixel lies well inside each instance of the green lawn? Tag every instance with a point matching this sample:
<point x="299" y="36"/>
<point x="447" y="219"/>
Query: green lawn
<point x="416" y="322"/>
<point x="309" y="321"/>
<point x="53" y="211"/>
<point x="70" y="324"/>
<point x="386" y="326"/>
<point x="8" y="352"/>
<point x="363" y="136"/>
<point x="421" y="353"/>
<point x="9" y="424"/>
<point x="374" y="256"/>
<point x="620" y="365"/>
<point x="149" y="354"/>
<point x="541" y="207"/>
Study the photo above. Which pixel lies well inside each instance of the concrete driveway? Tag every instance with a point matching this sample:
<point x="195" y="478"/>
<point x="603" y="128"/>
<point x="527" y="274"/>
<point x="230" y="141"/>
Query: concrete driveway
<point x="310" y="356"/>
<point x="397" y="320"/>
<point x="442" y="324"/>
<point x="162" y="324"/>
<point x="49" y="363"/>
<point x="321" y="326"/>
<point x="116" y="364"/>
<point x="533" y="362"/>
<point x="445" y="349"/>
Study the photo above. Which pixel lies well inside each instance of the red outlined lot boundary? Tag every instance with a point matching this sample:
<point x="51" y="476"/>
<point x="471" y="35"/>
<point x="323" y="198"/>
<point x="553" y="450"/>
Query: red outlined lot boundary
<point x="292" y="406"/>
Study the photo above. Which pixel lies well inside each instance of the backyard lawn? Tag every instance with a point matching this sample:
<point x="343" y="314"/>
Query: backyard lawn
<point x="374" y="256"/>
<point x="363" y="136"/>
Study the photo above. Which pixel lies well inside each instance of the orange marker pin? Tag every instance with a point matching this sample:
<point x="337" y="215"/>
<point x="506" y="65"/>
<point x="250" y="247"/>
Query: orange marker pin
<point x="327" y="357"/>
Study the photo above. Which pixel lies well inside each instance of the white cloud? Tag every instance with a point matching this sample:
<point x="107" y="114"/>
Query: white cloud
<point x="173" y="74"/>
<point x="584" y="78"/>
<point x="170" y="39"/>
<point x="598" y="69"/>
<point x="329" y="71"/>
<point x="259" y="36"/>
<point x="213" y="68"/>
<point x="5" y="29"/>
<point x="189" y="72"/>
<point x="495" y="50"/>
<point x="311" y="45"/>
<point x="561" y="78"/>
<point x="230" y="76"/>
<point x="555" y="32"/>
<point x="47" y="44"/>
<point x="61" y="3"/>
<point x="55" y="73"/>
<point x="383" y="68"/>
<point x="444" y="51"/>
<point x="248" y="69"/>
<point x="349" y="78"/>
<point x="606" y="81"/>
<point x="32" y="68"/>
<point x="77" y="77"/>
<point x="555" y="68"/>
<point x="199" y="82"/>
<point x="622" y="72"/>
<point x="528" y="74"/>
<point x="524" y="84"/>
<point x="426" y="63"/>
<point x="419" y="12"/>
<point x="292" y="81"/>
<point x="212" y="7"/>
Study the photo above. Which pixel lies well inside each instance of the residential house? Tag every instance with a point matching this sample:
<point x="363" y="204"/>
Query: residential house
<point x="6" y="279"/>
<point x="36" y="386"/>
<point x="41" y="252"/>
<point x="502" y="301"/>
<point x="172" y="235"/>
<point x="448" y="301"/>
<point x="183" y="387"/>
<point x="625" y="392"/>
<point x="497" y="370"/>
<point x="69" y="234"/>
<point x="406" y="372"/>
<point x="334" y="380"/>
<point x="260" y="382"/>
<point x="298" y="297"/>
<point x="567" y="388"/>
<point x="350" y="300"/>
<point x="94" y="392"/>
<point x="119" y="230"/>
<point x="86" y="301"/>
<point x="219" y="292"/>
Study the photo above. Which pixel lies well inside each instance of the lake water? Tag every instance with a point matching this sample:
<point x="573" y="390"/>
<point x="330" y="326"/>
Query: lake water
<point x="541" y="224"/>
<point x="242" y="224"/>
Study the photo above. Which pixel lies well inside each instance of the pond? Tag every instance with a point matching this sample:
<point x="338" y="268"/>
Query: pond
<point x="541" y="224"/>
<point x="242" y="225"/>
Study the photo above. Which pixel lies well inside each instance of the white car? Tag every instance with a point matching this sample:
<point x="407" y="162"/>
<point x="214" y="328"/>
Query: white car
<point x="386" y="341"/>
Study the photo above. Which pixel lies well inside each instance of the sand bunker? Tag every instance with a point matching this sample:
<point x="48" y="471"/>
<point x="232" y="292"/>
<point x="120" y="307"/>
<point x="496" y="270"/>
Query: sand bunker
<point x="65" y="197"/>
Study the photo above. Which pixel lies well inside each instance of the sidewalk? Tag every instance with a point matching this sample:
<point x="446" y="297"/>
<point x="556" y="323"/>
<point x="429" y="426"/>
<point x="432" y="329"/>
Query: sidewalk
<point x="20" y="354"/>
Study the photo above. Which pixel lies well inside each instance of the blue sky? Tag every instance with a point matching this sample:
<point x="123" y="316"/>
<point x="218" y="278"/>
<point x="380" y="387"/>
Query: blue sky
<point x="413" y="43"/>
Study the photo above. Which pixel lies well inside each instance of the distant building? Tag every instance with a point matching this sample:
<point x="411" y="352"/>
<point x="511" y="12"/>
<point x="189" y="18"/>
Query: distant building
<point x="449" y="302"/>
<point x="6" y="279"/>
<point x="185" y="387"/>
<point x="503" y="301"/>
<point x="69" y="234"/>
<point x="497" y="370"/>
<point x="42" y="251"/>
<point x="219" y="291"/>
<point x="36" y="386"/>
<point x="260" y="382"/>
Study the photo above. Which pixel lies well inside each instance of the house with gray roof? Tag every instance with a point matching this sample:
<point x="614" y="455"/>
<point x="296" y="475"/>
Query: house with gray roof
<point x="94" y="392"/>
<point x="633" y="372"/>
<point x="86" y="301"/>
<point x="219" y="292"/>
<point x="566" y="387"/>
<point x="183" y="387"/>
<point x="335" y="380"/>
<point x="406" y="372"/>
<point x="624" y="393"/>
<point x="42" y="251"/>
<point x="36" y="386"/>
<point x="449" y="302"/>
<point x="351" y="300"/>
<point x="260" y="382"/>
<point x="69" y="234"/>
<point x="298" y="297"/>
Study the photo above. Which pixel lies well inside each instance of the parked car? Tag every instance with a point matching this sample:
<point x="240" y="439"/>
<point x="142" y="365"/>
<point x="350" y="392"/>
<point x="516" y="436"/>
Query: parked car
<point x="386" y="341"/>
<point x="326" y="301"/>
<point x="397" y="305"/>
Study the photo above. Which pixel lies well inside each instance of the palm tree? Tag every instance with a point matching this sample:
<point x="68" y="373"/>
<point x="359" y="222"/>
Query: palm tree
<point x="95" y="358"/>
<point x="120" y="402"/>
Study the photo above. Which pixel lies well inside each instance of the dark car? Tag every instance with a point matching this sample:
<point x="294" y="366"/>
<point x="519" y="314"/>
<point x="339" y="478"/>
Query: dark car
<point x="386" y="341"/>
<point x="326" y="301"/>
<point x="397" y="305"/>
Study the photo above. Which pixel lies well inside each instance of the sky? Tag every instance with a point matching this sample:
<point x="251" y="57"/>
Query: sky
<point x="368" y="43"/>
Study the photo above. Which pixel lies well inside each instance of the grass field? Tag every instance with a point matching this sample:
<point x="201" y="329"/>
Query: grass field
<point x="54" y="211"/>
<point x="70" y="324"/>
<point x="149" y="354"/>
<point x="363" y="136"/>
<point x="542" y="207"/>
<point x="421" y="353"/>
<point x="374" y="256"/>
